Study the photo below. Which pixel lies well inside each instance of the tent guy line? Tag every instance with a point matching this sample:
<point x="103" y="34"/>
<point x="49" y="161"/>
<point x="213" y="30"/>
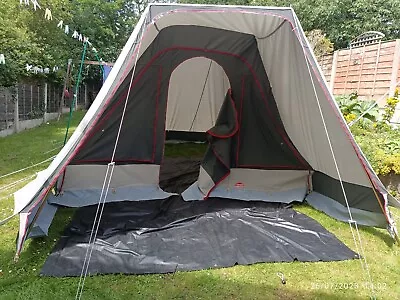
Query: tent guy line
<point x="104" y="191"/>
<point x="359" y="248"/>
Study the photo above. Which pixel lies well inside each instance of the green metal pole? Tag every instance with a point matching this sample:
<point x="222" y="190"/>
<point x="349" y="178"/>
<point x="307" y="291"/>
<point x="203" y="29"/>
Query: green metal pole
<point x="99" y="60"/>
<point x="78" y="80"/>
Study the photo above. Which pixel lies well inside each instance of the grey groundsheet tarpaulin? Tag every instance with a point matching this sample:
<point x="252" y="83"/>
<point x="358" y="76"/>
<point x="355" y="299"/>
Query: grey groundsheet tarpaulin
<point x="161" y="236"/>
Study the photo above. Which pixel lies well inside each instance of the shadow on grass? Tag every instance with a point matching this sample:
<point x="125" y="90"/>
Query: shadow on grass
<point x="383" y="235"/>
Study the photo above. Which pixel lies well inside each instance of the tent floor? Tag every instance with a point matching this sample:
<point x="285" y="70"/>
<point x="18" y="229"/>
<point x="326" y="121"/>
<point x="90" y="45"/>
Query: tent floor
<point x="171" y="235"/>
<point x="162" y="236"/>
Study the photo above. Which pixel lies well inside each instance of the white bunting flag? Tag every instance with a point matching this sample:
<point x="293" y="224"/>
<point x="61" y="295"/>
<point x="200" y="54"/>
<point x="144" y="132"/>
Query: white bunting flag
<point x="48" y="15"/>
<point x="26" y="2"/>
<point x="2" y="59"/>
<point x="80" y="37"/>
<point x="60" y="24"/>
<point x="46" y="70"/>
<point x="35" y="4"/>
<point x="28" y="67"/>
<point x="55" y="69"/>
<point x="66" y="29"/>
<point x="75" y="35"/>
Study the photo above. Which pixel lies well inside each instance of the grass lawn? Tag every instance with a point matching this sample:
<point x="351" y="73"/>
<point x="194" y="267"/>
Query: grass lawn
<point x="332" y="280"/>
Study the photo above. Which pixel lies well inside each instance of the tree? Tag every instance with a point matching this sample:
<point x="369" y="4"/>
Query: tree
<point x="319" y="43"/>
<point x="27" y="37"/>
<point x="343" y="20"/>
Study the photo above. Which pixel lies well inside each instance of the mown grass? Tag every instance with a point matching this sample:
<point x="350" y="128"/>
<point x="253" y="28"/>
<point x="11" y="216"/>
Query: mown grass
<point x="330" y="280"/>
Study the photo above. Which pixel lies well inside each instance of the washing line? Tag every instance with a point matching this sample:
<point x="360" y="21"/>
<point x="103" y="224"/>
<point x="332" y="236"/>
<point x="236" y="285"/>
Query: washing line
<point x="32" y="166"/>
<point x="13" y="184"/>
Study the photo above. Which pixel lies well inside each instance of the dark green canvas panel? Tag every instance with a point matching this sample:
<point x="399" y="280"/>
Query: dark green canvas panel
<point x="358" y="196"/>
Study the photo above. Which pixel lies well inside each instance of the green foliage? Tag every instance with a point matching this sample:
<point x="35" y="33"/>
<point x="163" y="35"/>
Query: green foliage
<point x="390" y="107"/>
<point x="378" y="140"/>
<point x="343" y="20"/>
<point x="351" y="108"/>
<point x="381" y="145"/>
<point x="320" y="44"/>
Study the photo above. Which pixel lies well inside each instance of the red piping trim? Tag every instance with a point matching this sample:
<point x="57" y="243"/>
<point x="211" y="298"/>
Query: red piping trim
<point x="223" y="177"/>
<point x="236" y="121"/>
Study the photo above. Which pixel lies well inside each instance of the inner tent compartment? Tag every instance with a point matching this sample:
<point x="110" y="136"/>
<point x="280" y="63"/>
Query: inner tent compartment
<point x="225" y="93"/>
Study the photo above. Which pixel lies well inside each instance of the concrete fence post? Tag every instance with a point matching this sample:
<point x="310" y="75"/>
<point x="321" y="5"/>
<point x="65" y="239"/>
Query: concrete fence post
<point x="45" y="103"/>
<point x="333" y="71"/>
<point x="394" y="79"/>
<point x="31" y="99"/>
<point x="16" y="113"/>
<point x="86" y="96"/>
<point x="395" y="69"/>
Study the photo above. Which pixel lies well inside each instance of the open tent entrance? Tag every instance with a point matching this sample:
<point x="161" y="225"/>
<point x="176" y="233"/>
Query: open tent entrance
<point x="197" y="89"/>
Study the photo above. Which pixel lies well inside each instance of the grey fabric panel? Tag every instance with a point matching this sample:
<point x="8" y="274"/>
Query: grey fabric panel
<point x="205" y="182"/>
<point x="79" y="198"/>
<point x="92" y="176"/>
<point x="43" y="221"/>
<point x="292" y="195"/>
<point x="340" y="212"/>
<point x="358" y="196"/>
<point x="265" y="180"/>
<point x="159" y="8"/>
<point x="197" y="89"/>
